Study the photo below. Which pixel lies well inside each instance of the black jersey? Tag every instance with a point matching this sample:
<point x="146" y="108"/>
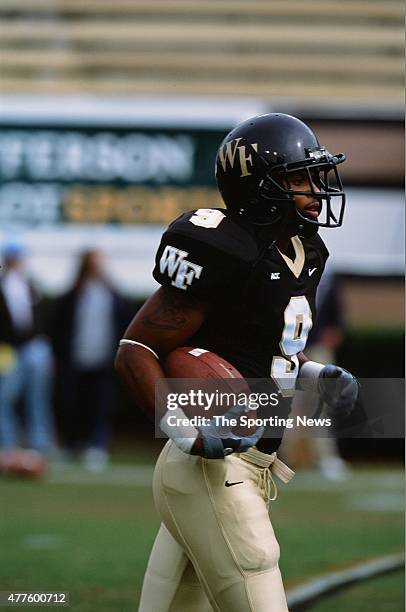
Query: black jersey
<point x="263" y="301"/>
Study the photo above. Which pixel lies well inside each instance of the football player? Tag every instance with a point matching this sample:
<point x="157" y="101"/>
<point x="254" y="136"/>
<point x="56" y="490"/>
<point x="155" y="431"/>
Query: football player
<point x="240" y="282"/>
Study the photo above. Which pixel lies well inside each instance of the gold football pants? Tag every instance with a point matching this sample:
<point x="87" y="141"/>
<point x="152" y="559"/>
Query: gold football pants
<point x="216" y="549"/>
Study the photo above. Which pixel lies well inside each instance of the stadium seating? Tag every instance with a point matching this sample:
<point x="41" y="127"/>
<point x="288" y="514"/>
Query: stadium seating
<point x="349" y="52"/>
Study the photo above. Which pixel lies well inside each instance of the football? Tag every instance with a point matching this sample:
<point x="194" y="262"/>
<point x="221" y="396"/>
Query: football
<point x="213" y="376"/>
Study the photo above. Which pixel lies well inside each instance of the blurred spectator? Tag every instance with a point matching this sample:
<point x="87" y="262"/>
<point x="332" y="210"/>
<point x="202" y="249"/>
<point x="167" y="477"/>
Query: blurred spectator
<point x="327" y="334"/>
<point x="25" y="358"/>
<point x="325" y="339"/>
<point x="89" y="321"/>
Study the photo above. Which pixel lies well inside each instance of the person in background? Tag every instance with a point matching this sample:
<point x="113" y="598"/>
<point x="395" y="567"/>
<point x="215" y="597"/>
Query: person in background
<point x="88" y="322"/>
<point x="25" y="359"/>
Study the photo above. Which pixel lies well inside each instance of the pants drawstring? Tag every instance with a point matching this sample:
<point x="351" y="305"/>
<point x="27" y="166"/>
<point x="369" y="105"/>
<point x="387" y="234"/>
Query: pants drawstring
<point x="264" y="483"/>
<point x="270" y="465"/>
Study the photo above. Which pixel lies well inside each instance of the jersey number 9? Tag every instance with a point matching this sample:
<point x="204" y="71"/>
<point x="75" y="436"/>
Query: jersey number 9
<point x="298" y="323"/>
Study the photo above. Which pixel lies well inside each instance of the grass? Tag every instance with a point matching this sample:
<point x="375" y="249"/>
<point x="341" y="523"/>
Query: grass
<point x="95" y="541"/>
<point x="385" y="593"/>
<point x="91" y="535"/>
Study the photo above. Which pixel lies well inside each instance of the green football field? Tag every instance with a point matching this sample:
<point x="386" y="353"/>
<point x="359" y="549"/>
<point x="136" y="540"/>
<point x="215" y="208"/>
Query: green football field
<point x="91" y="534"/>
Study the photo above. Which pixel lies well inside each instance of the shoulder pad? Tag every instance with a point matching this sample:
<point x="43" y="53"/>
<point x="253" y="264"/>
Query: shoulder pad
<point x="205" y="253"/>
<point x="215" y="228"/>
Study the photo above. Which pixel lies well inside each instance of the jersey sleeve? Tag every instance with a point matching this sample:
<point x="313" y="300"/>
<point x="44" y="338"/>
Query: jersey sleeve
<point x="200" y="257"/>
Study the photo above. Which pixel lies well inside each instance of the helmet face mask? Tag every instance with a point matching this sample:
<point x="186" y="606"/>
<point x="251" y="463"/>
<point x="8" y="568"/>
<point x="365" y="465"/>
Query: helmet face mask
<point x="255" y="167"/>
<point x="325" y="187"/>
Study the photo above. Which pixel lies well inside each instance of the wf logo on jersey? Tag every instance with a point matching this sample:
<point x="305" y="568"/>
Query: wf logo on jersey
<point x="174" y="262"/>
<point x="228" y="154"/>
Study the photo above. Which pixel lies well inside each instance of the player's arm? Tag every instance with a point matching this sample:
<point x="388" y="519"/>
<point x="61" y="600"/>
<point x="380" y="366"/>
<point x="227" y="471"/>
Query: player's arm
<point x="193" y="268"/>
<point x="166" y="321"/>
<point x="302" y="358"/>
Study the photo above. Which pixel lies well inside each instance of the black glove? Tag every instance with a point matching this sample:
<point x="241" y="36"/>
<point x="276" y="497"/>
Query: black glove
<point x="338" y="389"/>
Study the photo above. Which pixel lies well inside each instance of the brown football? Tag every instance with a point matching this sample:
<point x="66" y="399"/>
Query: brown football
<point x="210" y="373"/>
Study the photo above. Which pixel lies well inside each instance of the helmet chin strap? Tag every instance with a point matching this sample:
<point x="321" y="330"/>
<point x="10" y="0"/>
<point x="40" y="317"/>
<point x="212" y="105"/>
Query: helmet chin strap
<point x="294" y="224"/>
<point x="307" y="230"/>
<point x="287" y="225"/>
<point x="281" y="230"/>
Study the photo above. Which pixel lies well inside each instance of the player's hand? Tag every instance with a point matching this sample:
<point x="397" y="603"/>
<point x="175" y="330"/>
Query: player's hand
<point x="338" y="389"/>
<point x="217" y="441"/>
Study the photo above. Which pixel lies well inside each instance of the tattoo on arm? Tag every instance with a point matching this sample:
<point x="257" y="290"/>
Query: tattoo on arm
<point x="171" y="314"/>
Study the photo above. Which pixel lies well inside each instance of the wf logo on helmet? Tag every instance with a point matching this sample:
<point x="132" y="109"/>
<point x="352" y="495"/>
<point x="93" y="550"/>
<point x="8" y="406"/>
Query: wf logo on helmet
<point x="228" y="152"/>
